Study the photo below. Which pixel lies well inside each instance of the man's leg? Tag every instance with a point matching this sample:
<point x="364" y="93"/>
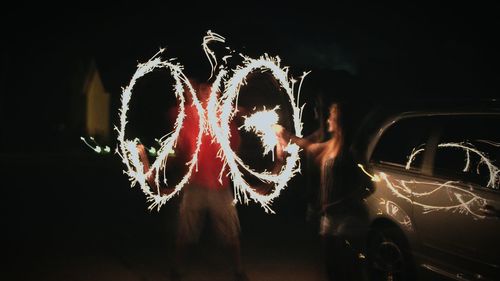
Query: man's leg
<point x="179" y="259"/>
<point x="190" y="223"/>
<point x="227" y="226"/>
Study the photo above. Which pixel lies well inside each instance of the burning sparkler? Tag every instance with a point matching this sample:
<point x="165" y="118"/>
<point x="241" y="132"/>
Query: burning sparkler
<point x="262" y="124"/>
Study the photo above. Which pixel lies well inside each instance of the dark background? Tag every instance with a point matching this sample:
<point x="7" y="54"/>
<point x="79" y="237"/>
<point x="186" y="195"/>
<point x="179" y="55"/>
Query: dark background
<point x="61" y="202"/>
<point x="393" y="50"/>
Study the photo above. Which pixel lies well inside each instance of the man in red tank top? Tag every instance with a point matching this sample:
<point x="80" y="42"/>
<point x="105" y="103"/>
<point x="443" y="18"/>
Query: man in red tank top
<point x="208" y="193"/>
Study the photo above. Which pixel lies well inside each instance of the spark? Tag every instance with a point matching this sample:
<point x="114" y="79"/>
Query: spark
<point x="262" y="123"/>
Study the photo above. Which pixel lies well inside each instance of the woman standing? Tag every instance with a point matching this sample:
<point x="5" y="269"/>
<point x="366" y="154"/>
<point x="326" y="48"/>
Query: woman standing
<point x="335" y="206"/>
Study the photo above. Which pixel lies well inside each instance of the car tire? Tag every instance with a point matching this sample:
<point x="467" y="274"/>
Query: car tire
<point x="389" y="257"/>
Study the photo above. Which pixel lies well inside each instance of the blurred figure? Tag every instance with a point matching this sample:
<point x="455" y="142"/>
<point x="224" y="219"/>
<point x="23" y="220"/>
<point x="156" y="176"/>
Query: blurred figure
<point x="208" y="193"/>
<point x="336" y="201"/>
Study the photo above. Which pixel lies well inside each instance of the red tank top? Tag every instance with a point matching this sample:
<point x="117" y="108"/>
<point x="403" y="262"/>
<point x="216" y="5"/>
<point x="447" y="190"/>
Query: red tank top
<point x="208" y="169"/>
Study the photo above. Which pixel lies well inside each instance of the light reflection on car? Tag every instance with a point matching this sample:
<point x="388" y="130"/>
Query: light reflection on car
<point x="434" y="200"/>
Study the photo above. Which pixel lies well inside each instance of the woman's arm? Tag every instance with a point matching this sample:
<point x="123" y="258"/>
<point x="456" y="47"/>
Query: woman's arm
<point x="286" y="137"/>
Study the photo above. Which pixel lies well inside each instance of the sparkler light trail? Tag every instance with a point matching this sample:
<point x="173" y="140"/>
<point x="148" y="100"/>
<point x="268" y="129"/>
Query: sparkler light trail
<point x="227" y="108"/>
<point x="208" y="52"/>
<point x="374" y="178"/>
<point x="494" y="179"/>
<point x="219" y="112"/>
<point x="462" y="200"/>
<point x="128" y="148"/>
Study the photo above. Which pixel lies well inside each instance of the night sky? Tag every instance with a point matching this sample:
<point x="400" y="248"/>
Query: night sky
<point x="392" y="50"/>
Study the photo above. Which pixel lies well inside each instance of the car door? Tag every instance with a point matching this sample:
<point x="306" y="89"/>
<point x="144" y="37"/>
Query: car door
<point x="457" y="207"/>
<point x="390" y="162"/>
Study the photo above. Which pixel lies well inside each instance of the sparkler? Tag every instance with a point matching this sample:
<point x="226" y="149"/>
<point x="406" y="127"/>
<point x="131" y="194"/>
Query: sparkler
<point x="262" y="124"/>
<point x="219" y="113"/>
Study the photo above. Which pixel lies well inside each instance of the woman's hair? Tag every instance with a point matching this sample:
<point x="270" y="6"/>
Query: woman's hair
<point x="336" y="142"/>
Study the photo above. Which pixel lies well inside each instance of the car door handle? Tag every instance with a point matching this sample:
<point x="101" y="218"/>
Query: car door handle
<point x="489" y="211"/>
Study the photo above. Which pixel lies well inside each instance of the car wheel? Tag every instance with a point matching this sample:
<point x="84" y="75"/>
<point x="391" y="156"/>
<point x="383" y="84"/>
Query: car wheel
<point x="389" y="258"/>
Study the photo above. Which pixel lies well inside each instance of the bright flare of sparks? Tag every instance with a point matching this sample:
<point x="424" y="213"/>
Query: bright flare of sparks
<point x="128" y="148"/>
<point x="262" y="123"/>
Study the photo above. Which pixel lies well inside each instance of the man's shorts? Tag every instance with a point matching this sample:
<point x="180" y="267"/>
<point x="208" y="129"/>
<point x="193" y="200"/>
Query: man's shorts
<point x="200" y="202"/>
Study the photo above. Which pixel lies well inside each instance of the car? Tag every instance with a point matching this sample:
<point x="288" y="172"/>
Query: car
<point x="431" y="190"/>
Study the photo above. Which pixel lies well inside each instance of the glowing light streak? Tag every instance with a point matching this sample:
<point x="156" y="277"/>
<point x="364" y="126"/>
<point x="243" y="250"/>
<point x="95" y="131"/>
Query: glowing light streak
<point x="374" y="178"/>
<point x="128" y="148"/>
<point x="96" y="147"/>
<point x="401" y="190"/>
<point x="397" y="213"/>
<point x="462" y="199"/>
<point x="413" y="155"/>
<point x="494" y="179"/>
<point x="152" y="151"/>
<point x="490" y="142"/>
<point x="208" y="52"/>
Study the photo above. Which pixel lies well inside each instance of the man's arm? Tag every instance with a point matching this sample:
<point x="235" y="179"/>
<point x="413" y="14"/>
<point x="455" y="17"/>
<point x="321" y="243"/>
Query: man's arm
<point x="150" y="175"/>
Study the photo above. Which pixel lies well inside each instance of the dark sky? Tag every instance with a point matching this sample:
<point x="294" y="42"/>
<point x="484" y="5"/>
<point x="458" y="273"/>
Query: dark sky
<point x="392" y="49"/>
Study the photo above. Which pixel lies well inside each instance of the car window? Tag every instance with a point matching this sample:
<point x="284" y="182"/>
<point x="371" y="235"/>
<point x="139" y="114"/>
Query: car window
<point x="469" y="150"/>
<point x="399" y="140"/>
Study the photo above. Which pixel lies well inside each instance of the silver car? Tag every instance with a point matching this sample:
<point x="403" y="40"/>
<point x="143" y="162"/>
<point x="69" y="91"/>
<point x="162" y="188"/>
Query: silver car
<point x="433" y="193"/>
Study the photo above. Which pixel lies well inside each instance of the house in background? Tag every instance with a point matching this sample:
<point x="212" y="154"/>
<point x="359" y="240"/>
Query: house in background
<point x="97" y="105"/>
